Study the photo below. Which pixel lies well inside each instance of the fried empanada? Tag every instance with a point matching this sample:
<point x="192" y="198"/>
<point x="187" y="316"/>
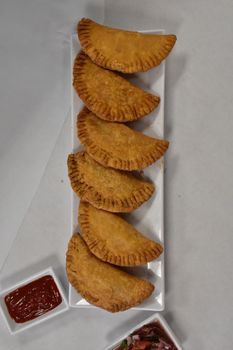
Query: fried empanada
<point x="122" y="50"/>
<point x="108" y="95"/>
<point x="116" y="145"/>
<point x="106" y="188"/>
<point x="100" y="283"/>
<point x="114" y="240"/>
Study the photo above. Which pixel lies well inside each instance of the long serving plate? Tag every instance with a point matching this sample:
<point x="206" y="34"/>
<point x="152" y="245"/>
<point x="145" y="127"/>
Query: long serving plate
<point x="148" y="218"/>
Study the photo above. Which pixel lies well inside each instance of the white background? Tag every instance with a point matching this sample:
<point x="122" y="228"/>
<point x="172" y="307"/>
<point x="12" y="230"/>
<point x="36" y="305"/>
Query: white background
<point x="34" y="190"/>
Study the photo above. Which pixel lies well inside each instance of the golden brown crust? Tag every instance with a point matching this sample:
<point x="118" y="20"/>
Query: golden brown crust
<point x="108" y="95"/>
<point x="122" y="50"/>
<point x="116" y="145"/>
<point x="113" y="240"/>
<point x="100" y="283"/>
<point x="106" y="188"/>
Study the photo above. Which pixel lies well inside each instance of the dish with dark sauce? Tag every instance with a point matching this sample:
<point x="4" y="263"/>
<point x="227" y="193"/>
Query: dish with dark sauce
<point x="33" y="299"/>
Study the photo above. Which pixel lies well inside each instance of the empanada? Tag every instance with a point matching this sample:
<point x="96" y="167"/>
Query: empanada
<point x="116" y="145"/>
<point x="114" y="240"/>
<point x="122" y="50"/>
<point x="106" y="188"/>
<point x="108" y="95"/>
<point x="100" y="283"/>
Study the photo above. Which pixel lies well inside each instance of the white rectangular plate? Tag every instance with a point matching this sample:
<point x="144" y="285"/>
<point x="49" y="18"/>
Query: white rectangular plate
<point x="148" y="219"/>
<point x="155" y="317"/>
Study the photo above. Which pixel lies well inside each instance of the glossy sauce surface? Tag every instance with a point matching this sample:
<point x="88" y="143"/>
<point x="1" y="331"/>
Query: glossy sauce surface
<point x="33" y="299"/>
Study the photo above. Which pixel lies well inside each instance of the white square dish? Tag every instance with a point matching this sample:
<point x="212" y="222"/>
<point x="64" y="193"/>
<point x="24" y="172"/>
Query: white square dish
<point x="148" y="219"/>
<point x="155" y="317"/>
<point x="19" y="327"/>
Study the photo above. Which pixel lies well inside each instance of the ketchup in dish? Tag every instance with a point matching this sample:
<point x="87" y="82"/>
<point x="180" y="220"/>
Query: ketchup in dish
<point x="33" y="299"/>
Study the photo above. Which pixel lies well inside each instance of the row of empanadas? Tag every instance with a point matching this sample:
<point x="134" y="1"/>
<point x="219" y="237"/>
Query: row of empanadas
<point x="100" y="177"/>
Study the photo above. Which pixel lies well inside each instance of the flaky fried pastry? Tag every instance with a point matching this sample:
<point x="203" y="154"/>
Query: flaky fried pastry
<point x="122" y="50"/>
<point x="106" y="188"/>
<point x="114" y="240"/>
<point x="100" y="283"/>
<point x="116" y="145"/>
<point x="108" y="95"/>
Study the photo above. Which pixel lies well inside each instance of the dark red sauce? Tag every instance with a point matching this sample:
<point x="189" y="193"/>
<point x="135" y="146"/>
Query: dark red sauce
<point x="33" y="300"/>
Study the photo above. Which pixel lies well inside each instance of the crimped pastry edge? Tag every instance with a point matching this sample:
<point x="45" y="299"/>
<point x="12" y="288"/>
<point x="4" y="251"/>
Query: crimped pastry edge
<point x="141" y="256"/>
<point x="90" y="194"/>
<point x="141" y="65"/>
<point x="111" y="307"/>
<point x="103" y="157"/>
<point x="121" y="114"/>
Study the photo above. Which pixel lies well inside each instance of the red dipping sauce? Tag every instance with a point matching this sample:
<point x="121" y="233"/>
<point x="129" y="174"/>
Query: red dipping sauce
<point x="33" y="300"/>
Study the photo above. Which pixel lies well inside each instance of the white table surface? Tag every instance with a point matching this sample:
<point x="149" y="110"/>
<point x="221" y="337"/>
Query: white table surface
<point x="199" y="167"/>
